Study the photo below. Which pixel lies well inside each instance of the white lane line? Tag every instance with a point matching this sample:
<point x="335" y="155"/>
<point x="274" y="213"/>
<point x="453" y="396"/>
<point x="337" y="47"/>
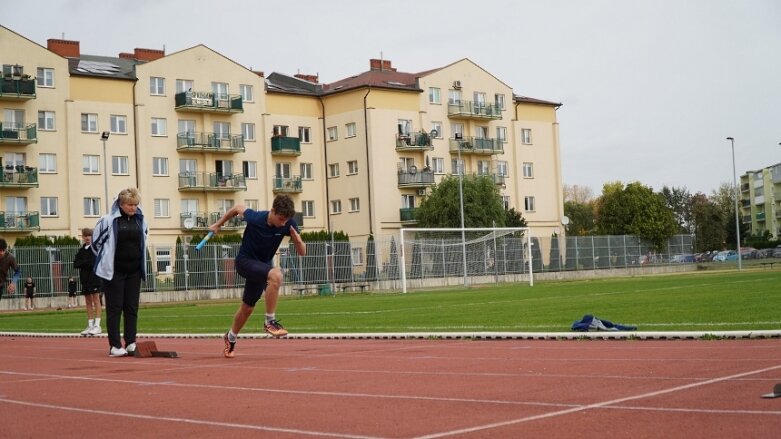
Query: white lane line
<point x="592" y="406"/>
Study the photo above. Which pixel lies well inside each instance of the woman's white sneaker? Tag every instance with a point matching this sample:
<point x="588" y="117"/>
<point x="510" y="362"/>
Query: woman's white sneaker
<point x="117" y="352"/>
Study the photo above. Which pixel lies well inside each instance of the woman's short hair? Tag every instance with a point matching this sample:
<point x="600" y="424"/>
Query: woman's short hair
<point x="129" y="196"/>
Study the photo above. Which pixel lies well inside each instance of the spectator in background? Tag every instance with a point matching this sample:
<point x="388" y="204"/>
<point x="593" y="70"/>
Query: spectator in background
<point x="84" y="261"/>
<point x="72" y="292"/>
<point x="8" y="262"/>
<point x="29" y="294"/>
<point x="119" y="243"/>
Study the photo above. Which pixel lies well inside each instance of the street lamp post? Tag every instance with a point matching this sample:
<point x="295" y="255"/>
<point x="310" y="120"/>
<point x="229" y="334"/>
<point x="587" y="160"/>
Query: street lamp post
<point x="737" y="215"/>
<point x="104" y="137"/>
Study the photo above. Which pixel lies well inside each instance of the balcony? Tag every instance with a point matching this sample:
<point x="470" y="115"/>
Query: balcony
<point x="19" y="222"/>
<point x="498" y="179"/>
<point x="17" y="89"/>
<point x="477" y="146"/>
<point x="211" y="182"/>
<point x="745" y="203"/>
<point x="18" y="176"/>
<point x="472" y="110"/>
<point x="281" y="145"/>
<point x="760" y="216"/>
<point x="744" y="187"/>
<point x="407" y="214"/>
<point x="18" y="133"/>
<point x="201" y="221"/>
<point x="412" y="178"/>
<point x="208" y="102"/>
<point x="209" y="142"/>
<point x="289" y="185"/>
<point x="745" y="219"/>
<point x="419" y="141"/>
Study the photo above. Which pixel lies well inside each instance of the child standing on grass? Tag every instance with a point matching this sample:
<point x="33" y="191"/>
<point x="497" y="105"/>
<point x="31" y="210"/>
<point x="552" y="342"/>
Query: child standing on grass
<point x="84" y="261"/>
<point x="29" y="294"/>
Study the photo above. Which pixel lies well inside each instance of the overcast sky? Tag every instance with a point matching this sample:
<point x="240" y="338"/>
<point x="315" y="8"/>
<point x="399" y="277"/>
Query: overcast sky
<point x="650" y="88"/>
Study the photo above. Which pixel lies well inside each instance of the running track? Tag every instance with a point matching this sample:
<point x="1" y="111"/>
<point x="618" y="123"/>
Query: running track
<point x="367" y="388"/>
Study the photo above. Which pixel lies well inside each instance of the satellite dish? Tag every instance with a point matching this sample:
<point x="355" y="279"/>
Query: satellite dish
<point x="413" y="169"/>
<point x="434" y="133"/>
<point x="189" y="223"/>
<point x="565" y="220"/>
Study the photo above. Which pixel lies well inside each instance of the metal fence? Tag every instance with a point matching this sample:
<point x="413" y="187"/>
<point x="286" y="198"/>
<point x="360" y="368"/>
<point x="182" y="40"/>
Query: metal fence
<point x="370" y="264"/>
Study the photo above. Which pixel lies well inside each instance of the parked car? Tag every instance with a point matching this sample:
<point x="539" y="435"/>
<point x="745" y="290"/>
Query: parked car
<point x="765" y="253"/>
<point x="777" y="252"/>
<point x="748" y="253"/>
<point x="679" y="259"/>
<point x="726" y="255"/>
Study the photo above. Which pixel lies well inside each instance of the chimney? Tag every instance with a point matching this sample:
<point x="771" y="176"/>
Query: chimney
<point x="65" y="48"/>
<point x="381" y="64"/>
<point x="125" y="55"/>
<point x="311" y="78"/>
<point x="148" y="54"/>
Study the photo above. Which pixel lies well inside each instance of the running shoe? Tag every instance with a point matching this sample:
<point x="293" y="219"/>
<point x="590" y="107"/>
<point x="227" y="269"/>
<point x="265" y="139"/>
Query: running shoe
<point x="95" y="330"/>
<point x="117" y="352"/>
<point x="275" y="329"/>
<point x="86" y="331"/>
<point x="229" y="346"/>
<point x="131" y="349"/>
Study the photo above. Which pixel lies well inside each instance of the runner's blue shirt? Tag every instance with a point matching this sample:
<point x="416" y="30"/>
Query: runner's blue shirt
<point x="261" y="240"/>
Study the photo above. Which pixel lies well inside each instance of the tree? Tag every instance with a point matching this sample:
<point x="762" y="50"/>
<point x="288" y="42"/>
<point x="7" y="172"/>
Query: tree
<point x="483" y="205"/>
<point x="635" y="210"/>
<point x="724" y="198"/>
<point x="679" y="201"/>
<point x="708" y="223"/>
<point x="578" y="194"/>
<point x="581" y="218"/>
<point x="513" y="218"/>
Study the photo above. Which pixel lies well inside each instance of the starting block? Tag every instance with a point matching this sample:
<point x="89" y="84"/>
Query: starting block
<point x="776" y="392"/>
<point x="146" y="349"/>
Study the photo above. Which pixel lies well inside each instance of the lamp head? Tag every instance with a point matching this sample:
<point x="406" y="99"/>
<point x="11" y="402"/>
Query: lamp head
<point x="104" y="135"/>
<point x="731" y="138"/>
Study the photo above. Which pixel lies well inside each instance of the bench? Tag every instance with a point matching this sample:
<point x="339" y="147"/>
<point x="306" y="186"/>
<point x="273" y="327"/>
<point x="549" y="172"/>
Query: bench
<point x="353" y="285"/>
<point x="767" y="264"/>
<point x="302" y="289"/>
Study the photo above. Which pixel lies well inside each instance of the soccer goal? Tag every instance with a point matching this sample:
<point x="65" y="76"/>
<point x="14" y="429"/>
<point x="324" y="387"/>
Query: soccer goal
<point x="431" y="257"/>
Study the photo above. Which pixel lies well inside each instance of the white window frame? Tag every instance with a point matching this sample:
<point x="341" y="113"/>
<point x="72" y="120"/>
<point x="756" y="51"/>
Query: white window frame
<point x="454" y="97"/>
<point x="248" y="131"/>
<point x="308" y="208"/>
<point x="49" y="206"/>
<point x="434" y="95"/>
<point x="46" y="121"/>
<point x="306" y="171"/>
<point x="483" y="167"/>
<point x="336" y="207"/>
<point x="352" y="167"/>
<point x="333" y="170"/>
<point x="156" y="86"/>
<point x="529" y="204"/>
<point x="305" y="134"/>
<point x="163" y="256"/>
<point x="350" y="129"/>
<point x="280" y="130"/>
<point x="250" y="169"/>
<point x="333" y="134"/>
<point x="501" y="134"/>
<point x="47" y="163"/>
<point x="499" y="101"/>
<point x="44" y="77"/>
<point x="437" y="126"/>
<point x="184" y="85"/>
<point x="480" y="101"/>
<point x="160" y="166"/>
<point x="247" y="93"/>
<point x="355" y="204"/>
<point x="526" y="136"/>
<point x="356" y="254"/>
<point x="158" y="127"/>
<point x="90" y="164"/>
<point x="506" y="202"/>
<point x="120" y="165"/>
<point x="457" y="165"/>
<point x="89" y="123"/>
<point x="502" y="168"/>
<point x="528" y="170"/>
<point x="162" y="207"/>
<point x="438" y="165"/>
<point x="407" y="201"/>
<point x="118" y="124"/>
<point x="91" y="206"/>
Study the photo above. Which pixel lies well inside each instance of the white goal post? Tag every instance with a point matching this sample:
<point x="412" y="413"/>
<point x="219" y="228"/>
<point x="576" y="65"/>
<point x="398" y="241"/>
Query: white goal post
<point x="446" y="256"/>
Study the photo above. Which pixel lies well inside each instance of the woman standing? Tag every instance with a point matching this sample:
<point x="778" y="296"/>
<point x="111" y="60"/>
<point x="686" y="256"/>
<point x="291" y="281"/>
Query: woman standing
<point x="119" y="244"/>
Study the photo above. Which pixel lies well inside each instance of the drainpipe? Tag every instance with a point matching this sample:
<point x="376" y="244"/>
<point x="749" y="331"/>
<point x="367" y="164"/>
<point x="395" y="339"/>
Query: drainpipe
<point x="368" y="168"/>
<point x="325" y="168"/>
<point x="136" y="125"/>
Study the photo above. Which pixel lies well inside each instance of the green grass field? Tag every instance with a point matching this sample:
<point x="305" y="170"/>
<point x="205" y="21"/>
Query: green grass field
<point x="701" y="301"/>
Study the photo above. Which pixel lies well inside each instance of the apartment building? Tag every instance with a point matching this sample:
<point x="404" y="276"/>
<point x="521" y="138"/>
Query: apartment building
<point x="760" y="200"/>
<point x="198" y="133"/>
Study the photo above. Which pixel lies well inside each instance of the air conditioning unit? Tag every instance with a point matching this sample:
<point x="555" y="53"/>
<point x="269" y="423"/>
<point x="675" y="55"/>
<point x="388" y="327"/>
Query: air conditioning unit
<point x="421" y="192"/>
<point x="457" y="85"/>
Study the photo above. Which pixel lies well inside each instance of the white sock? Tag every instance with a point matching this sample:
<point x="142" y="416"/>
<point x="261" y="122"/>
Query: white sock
<point x="231" y="336"/>
<point x="91" y="322"/>
<point x="97" y="322"/>
<point x="270" y="317"/>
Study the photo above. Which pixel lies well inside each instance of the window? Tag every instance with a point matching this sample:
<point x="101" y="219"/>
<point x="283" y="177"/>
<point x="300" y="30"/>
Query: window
<point x="405" y="163"/>
<point x="506" y="202"/>
<point x="189" y="206"/>
<point x="433" y="95"/>
<point x="528" y="204"/>
<point x="48" y="206"/>
<point x="303" y="134"/>
<point x="438" y="165"/>
<point x="479" y="99"/>
<point x="405" y="127"/>
<point x="333" y="170"/>
<point x="45" y="77"/>
<point x="282" y="170"/>
<point x="352" y="167"/>
<point x="526" y="136"/>
<point x="46" y="120"/>
<point x="250" y="169"/>
<point x="499" y="101"/>
<point x="481" y="132"/>
<point x="528" y="170"/>
<point x="332" y="133"/>
<point x="483" y="167"/>
<point x="92" y="206"/>
<point x="501" y="134"/>
<point x="457" y="166"/>
<point x="160" y="166"/>
<point x="188" y="166"/>
<point x="248" y="131"/>
<point x="357" y="255"/>
<point x="436" y="126"/>
<point x="89" y="123"/>
<point x="223" y="167"/>
<point x="350" y="127"/>
<point x="245" y="91"/>
<point x="16" y="204"/>
<point x="308" y="208"/>
<point x="454" y="97"/>
<point x="118" y="124"/>
<point x="183" y="85"/>
<point x="47" y="163"/>
<point x="222" y="130"/>
<point x="336" y="206"/>
<point x="458" y="130"/>
<point x="162" y="208"/>
<point x="502" y="169"/>
<point x="90" y="164"/>
<point x="355" y="204"/>
<point x="280" y="130"/>
<point x="156" y="86"/>
<point x="407" y="201"/>
<point x="224" y="205"/>
<point x="306" y="171"/>
<point x="220" y="90"/>
<point x="163" y="257"/>
<point x="119" y="165"/>
<point x="158" y="126"/>
<point x="252" y="204"/>
<point x="186" y="126"/>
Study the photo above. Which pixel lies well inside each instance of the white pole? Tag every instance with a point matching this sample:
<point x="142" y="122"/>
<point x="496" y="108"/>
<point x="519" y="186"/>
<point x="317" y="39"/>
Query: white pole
<point x="460" y="168"/>
<point x="403" y="265"/>
<point x="737" y="216"/>
<point x="105" y="176"/>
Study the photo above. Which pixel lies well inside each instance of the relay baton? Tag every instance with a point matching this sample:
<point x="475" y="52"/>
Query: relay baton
<point x="204" y="240"/>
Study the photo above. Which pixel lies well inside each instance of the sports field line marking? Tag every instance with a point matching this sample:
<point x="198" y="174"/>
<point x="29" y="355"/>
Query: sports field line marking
<point x="603" y="404"/>
<point x="682" y="410"/>
<point x="188" y="420"/>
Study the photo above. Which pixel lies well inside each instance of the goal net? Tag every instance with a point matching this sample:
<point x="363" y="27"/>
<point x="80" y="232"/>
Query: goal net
<point x="432" y="257"/>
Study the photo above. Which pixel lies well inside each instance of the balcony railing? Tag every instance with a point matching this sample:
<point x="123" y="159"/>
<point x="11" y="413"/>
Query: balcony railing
<point x="19" y="221"/>
<point x="18" y="176"/>
<point x="17" y="88"/>
<point x="473" y="110"/>
<point x="760" y="216"/>
<point x="498" y="179"/>
<point x="412" y="177"/>
<point x="475" y="145"/>
<point x="285" y="145"/>
<point x="287" y="185"/>
<point x="211" y="182"/>
<point x="209" y="142"/>
<point x="202" y="101"/>
<point x="744" y="187"/>
<point x="745" y="219"/>
<point x="18" y="133"/>
<point x="418" y="141"/>
<point x="407" y="214"/>
<point x="202" y="221"/>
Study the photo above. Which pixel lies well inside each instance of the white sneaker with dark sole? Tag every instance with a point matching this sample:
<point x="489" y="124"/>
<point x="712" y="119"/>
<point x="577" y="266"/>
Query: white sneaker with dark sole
<point x="117" y="352"/>
<point x="95" y="330"/>
<point x="86" y="331"/>
<point x="131" y="349"/>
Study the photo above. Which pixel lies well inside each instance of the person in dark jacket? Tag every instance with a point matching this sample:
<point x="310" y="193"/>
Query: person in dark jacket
<point x="8" y="262"/>
<point x="119" y="242"/>
<point x="84" y="261"/>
